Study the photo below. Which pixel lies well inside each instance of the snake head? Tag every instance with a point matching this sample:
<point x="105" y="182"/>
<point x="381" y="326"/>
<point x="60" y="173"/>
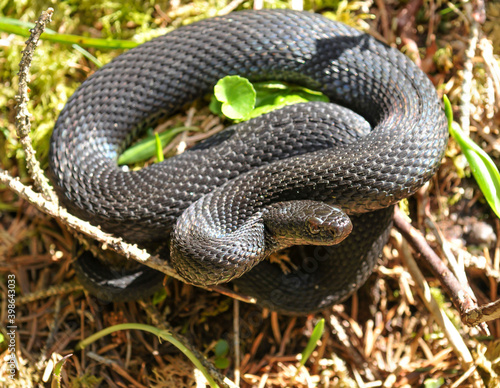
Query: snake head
<point x="327" y="225"/>
<point x="332" y="228"/>
<point x="304" y="222"/>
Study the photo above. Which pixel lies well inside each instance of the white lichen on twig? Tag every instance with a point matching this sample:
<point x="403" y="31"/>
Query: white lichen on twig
<point x="23" y="124"/>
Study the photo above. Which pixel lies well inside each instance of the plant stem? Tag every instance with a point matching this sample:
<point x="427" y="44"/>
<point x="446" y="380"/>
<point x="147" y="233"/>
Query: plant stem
<point x="153" y="330"/>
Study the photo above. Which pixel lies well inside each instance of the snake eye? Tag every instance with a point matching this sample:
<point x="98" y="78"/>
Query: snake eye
<point x="313" y="225"/>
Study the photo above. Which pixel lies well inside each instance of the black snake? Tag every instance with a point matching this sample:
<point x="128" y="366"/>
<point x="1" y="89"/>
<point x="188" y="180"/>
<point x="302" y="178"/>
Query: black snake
<point x="219" y="209"/>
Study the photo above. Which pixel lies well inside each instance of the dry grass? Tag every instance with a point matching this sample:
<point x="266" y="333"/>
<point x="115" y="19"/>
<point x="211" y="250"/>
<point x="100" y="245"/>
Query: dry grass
<point x="382" y="336"/>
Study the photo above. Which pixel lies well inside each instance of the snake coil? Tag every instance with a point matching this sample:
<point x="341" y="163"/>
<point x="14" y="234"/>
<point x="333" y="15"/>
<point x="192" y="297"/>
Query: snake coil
<point x="381" y="138"/>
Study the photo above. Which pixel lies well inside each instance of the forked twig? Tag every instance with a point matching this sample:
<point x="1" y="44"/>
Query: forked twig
<point x="470" y="313"/>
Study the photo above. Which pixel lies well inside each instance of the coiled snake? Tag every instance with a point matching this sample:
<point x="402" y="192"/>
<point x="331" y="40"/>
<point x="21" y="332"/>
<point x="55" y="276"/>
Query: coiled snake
<point x="219" y="209"/>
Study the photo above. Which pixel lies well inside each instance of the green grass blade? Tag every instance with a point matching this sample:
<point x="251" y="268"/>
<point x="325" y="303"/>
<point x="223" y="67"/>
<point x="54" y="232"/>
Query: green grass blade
<point x="21" y="24"/>
<point x="5" y="207"/>
<point x="448" y="111"/>
<point x="69" y="39"/>
<point x="311" y="345"/>
<point x="147" y="148"/>
<point x="159" y="149"/>
<point x="87" y="55"/>
<point x="165" y="335"/>
<point x="28" y="25"/>
<point x="483" y="168"/>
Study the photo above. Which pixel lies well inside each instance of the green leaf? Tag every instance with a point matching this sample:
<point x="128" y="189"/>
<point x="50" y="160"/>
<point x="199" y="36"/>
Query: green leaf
<point x="279" y="102"/>
<point x="237" y="96"/>
<point x="274" y="89"/>
<point x="215" y="106"/>
<point x="434" y="383"/>
<point x="221" y="362"/>
<point x="221" y="348"/>
<point x="448" y="111"/>
<point x="234" y="97"/>
<point x="147" y="148"/>
<point x="271" y="85"/>
<point x="483" y="168"/>
<point x="159" y="296"/>
<point x="311" y="345"/>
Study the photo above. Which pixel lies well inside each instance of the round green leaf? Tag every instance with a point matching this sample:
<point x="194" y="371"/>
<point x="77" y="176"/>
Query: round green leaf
<point x="237" y="96"/>
<point x="221" y="348"/>
<point x="221" y="363"/>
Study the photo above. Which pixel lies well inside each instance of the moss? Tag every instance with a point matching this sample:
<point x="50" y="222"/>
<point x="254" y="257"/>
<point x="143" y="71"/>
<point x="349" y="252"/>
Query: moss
<point x="58" y="69"/>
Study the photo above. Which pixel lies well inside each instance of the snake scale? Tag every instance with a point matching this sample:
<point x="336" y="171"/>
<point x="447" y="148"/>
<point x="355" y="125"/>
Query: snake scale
<point x="287" y="178"/>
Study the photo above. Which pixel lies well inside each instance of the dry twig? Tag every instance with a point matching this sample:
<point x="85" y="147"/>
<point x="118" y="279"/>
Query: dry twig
<point x="461" y="298"/>
<point x="23" y="125"/>
<point x="471" y="314"/>
<point x="465" y="97"/>
<point x="236" y="331"/>
<point x="424" y="290"/>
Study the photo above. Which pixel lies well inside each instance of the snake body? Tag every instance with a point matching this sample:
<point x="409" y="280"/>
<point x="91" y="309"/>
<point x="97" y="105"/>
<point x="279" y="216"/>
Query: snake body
<point x="381" y="138"/>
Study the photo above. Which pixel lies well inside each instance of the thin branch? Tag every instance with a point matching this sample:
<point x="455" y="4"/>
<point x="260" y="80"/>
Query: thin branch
<point x="48" y="207"/>
<point x="484" y="313"/>
<point x="470" y="313"/>
<point x="457" y="269"/>
<point x="47" y="202"/>
<point x="465" y="98"/>
<point x="23" y="125"/>
<point x="461" y="298"/>
<point x="116" y="244"/>
<point x="60" y="289"/>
